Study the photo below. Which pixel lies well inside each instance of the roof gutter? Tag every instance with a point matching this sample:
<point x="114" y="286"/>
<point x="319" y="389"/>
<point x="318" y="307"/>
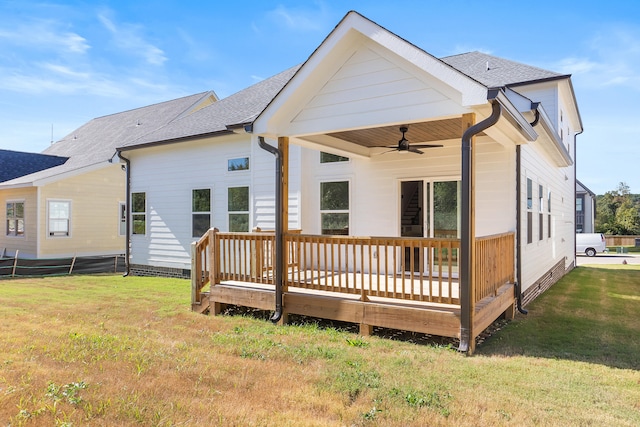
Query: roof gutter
<point x="277" y="315"/>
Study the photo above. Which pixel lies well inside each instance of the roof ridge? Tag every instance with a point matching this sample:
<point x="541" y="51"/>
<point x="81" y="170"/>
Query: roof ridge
<point x="201" y="94"/>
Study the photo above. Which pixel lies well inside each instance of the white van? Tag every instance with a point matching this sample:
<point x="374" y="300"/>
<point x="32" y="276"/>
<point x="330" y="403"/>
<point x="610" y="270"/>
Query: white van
<point x="590" y="243"/>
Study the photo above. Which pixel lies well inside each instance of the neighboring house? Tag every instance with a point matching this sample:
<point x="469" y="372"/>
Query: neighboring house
<point x="70" y="200"/>
<point x="14" y="164"/>
<point x="502" y="165"/>
<point x="585" y="209"/>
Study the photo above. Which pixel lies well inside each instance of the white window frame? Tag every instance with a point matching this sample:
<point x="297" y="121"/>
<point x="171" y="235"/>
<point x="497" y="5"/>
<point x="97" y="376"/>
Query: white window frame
<point x="122" y="219"/>
<point x="337" y="211"/>
<point x="209" y="212"/>
<point x="59" y="234"/>
<point x="239" y="171"/>
<point x="247" y="212"/>
<point x="15" y="218"/>
<point x="136" y="213"/>
<point x="338" y="162"/>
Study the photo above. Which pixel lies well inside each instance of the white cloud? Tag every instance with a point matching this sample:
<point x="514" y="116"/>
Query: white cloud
<point x="127" y="38"/>
<point x="45" y="35"/>
<point x="299" y="19"/>
<point x="611" y="59"/>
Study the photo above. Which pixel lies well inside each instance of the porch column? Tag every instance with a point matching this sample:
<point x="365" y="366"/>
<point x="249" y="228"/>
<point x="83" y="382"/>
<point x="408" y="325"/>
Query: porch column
<point x="468" y="236"/>
<point x="283" y="146"/>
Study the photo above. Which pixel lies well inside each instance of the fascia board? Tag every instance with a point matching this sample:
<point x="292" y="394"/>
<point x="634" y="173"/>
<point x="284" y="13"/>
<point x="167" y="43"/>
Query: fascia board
<point x="511" y="113"/>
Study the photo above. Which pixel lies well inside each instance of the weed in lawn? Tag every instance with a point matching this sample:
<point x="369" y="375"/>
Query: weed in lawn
<point x="434" y="400"/>
<point x="357" y="342"/>
<point x="353" y="379"/>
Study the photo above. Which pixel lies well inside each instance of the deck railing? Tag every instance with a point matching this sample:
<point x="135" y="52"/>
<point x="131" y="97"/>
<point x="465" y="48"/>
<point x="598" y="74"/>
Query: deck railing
<point x="494" y="264"/>
<point x="401" y="268"/>
<point x="418" y="269"/>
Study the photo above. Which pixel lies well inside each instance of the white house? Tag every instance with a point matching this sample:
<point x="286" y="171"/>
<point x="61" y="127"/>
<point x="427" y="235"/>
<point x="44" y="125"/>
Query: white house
<point x="585" y="209"/>
<point x="377" y="138"/>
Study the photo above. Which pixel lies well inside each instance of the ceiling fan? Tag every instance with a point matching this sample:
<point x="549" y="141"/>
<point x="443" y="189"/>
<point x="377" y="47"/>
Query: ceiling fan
<point x="404" y="146"/>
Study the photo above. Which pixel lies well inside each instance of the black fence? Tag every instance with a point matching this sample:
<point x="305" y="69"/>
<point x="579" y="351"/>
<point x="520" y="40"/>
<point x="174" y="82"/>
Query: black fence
<point x="25" y="267"/>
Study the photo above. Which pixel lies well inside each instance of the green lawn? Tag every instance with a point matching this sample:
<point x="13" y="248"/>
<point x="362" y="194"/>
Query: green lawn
<point x="108" y="350"/>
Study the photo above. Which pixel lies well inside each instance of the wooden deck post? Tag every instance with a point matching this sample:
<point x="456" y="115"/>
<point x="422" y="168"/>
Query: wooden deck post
<point x="214" y="263"/>
<point x="283" y="146"/>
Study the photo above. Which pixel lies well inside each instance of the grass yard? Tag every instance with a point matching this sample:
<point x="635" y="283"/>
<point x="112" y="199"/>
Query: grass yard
<point x="113" y="351"/>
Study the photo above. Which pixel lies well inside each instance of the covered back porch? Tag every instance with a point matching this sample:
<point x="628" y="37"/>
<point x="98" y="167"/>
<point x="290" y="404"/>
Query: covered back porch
<point x="409" y="284"/>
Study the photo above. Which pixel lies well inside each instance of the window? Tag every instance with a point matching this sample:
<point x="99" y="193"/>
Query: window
<point x="540" y="213"/>
<point x="529" y="211"/>
<point x="139" y="213"/>
<point x="200" y="211"/>
<point x="59" y="218"/>
<point x="239" y="164"/>
<point x="332" y="158"/>
<point x="549" y="213"/>
<point x="580" y="213"/>
<point x="122" y="212"/>
<point x="15" y="218"/>
<point x="238" y="208"/>
<point x="334" y="207"/>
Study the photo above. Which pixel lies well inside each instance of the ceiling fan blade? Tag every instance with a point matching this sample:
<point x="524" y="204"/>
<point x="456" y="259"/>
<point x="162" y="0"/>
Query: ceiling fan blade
<point x="385" y="152"/>
<point x="426" y="145"/>
<point x="415" y="150"/>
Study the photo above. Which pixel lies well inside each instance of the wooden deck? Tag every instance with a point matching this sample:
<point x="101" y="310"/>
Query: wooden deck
<point x="400" y="283"/>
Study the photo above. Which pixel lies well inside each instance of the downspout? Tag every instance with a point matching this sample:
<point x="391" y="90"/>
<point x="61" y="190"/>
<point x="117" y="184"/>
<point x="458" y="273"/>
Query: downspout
<point x="519" y="233"/>
<point x="575" y="176"/>
<point x="127" y="250"/>
<point x="278" y="232"/>
<point x="465" y="227"/>
<point x="519" y="219"/>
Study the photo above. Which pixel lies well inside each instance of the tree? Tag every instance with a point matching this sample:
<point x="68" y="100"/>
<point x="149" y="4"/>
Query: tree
<point x="617" y="212"/>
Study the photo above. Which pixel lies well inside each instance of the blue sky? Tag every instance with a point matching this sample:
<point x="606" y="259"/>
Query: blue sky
<point x="64" y="63"/>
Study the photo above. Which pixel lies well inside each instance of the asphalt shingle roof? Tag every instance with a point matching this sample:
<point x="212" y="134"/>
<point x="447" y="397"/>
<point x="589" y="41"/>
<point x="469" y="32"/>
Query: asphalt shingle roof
<point x="244" y="106"/>
<point x="14" y="164"/>
<point x="237" y="109"/>
<point x="492" y="71"/>
<point x="96" y="141"/>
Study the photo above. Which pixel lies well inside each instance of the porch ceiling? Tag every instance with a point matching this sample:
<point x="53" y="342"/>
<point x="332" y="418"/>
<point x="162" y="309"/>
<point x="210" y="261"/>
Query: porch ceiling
<point x="437" y="130"/>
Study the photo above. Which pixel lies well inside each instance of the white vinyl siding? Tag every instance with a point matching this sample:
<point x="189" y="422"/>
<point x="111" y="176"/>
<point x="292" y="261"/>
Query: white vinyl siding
<point x="198" y="165"/>
<point x="542" y="254"/>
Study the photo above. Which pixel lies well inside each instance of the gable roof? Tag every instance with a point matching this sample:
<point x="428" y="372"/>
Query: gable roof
<point x="492" y="71"/>
<point x="95" y="142"/>
<point x="221" y="117"/>
<point x="14" y="164"/>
